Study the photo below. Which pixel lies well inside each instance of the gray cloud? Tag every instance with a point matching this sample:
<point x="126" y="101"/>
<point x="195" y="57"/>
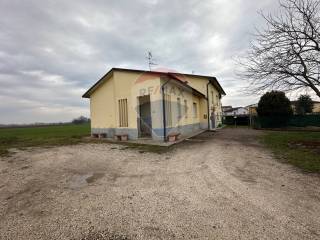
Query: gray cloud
<point x="52" y="51"/>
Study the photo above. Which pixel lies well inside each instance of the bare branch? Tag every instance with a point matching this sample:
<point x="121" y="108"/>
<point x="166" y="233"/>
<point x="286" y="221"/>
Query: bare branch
<point x="286" y="54"/>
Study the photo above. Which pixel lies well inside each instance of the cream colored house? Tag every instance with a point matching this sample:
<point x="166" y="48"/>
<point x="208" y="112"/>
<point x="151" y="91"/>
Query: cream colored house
<point x="152" y="104"/>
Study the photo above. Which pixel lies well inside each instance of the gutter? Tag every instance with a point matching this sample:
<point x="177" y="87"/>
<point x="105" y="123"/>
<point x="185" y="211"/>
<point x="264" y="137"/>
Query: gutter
<point x="164" y="112"/>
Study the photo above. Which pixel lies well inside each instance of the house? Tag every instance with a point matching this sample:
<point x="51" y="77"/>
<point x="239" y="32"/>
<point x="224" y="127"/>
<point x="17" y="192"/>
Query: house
<point x="238" y="111"/>
<point x="153" y="104"/>
<point x="226" y="108"/>
<point x="253" y="108"/>
<point x="315" y="109"/>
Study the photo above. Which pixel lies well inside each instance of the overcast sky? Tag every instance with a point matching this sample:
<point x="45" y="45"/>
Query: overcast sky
<point x="51" y="52"/>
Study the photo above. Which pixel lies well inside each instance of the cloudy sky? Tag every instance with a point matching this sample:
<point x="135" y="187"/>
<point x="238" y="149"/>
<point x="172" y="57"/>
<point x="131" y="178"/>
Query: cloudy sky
<point x="52" y="51"/>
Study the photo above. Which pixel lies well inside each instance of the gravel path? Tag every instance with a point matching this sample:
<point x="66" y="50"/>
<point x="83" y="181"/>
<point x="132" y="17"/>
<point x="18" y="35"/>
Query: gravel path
<point x="221" y="185"/>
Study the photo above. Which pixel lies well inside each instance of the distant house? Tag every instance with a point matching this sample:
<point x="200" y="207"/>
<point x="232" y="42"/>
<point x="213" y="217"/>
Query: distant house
<point x="226" y="108"/>
<point x="152" y="104"/>
<point x="253" y="108"/>
<point x="238" y="111"/>
<point x="316" y="106"/>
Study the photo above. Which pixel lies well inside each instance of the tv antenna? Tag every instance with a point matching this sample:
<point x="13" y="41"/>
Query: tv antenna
<point x="150" y="60"/>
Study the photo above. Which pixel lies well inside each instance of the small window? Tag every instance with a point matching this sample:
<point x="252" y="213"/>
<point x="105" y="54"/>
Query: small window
<point x="195" y="110"/>
<point x="123" y="112"/>
<point x="185" y="108"/>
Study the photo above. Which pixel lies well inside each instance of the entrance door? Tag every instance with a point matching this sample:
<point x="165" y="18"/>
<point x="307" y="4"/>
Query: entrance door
<point x="145" y="123"/>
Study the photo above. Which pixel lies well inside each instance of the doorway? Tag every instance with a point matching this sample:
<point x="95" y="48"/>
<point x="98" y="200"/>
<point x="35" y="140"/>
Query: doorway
<point x="145" y="121"/>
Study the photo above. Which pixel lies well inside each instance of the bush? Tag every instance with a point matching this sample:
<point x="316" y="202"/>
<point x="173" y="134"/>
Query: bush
<point x="274" y="109"/>
<point x="304" y="104"/>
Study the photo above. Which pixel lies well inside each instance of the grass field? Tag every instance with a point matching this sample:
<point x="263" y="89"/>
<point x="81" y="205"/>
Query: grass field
<point x="41" y="136"/>
<point x="301" y="149"/>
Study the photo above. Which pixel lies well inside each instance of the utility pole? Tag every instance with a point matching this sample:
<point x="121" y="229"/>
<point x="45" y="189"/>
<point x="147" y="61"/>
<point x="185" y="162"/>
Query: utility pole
<point x="150" y="60"/>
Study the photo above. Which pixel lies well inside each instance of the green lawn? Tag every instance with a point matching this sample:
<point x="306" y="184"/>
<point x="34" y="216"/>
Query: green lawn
<point x="301" y="149"/>
<point x="41" y="136"/>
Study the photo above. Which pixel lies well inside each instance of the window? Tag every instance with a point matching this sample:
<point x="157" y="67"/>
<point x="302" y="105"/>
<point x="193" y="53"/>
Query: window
<point x="185" y="109"/>
<point x="195" y="110"/>
<point x="123" y="112"/>
<point x="167" y="98"/>
<point x="179" y="108"/>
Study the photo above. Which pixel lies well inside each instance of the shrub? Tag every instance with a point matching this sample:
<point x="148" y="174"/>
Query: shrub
<point x="274" y="109"/>
<point x="304" y="104"/>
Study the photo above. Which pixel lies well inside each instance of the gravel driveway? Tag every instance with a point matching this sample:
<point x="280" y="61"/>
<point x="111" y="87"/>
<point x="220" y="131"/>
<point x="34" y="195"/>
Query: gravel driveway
<point x="221" y="185"/>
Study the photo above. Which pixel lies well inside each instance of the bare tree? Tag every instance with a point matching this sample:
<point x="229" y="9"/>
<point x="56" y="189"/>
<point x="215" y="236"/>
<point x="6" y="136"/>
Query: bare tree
<point x="285" y="55"/>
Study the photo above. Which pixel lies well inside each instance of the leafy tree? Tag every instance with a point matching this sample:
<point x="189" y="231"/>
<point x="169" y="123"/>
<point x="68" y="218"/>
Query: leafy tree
<point x="304" y="104"/>
<point x="274" y="108"/>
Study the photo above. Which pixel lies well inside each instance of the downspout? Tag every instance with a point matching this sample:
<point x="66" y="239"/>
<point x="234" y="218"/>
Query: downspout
<point x="164" y="112"/>
<point x="208" y="105"/>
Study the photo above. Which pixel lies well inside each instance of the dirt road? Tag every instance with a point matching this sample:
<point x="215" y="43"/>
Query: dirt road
<point x="221" y="185"/>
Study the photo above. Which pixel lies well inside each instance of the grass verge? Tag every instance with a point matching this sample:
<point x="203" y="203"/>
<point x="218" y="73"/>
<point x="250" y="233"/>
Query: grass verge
<point x="57" y="136"/>
<point x="301" y="149"/>
<point x="41" y="136"/>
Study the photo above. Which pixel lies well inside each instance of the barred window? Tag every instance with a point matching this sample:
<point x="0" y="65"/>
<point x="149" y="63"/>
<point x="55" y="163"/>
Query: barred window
<point x="123" y="112"/>
<point x="185" y="108"/>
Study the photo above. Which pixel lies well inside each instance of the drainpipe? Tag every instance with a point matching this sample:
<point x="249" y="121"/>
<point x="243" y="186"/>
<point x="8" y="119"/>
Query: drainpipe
<point x="164" y="112"/>
<point x="208" y="105"/>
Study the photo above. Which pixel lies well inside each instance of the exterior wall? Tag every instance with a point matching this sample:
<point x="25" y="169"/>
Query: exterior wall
<point x="316" y="107"/>
<point x="253" y="111"/>
<point x="124" y="85"/>
<point x="200" y="83"/>
<point x="187" y="123"/>
<point x="215" y="104"/>
<point x="103" y="115"/>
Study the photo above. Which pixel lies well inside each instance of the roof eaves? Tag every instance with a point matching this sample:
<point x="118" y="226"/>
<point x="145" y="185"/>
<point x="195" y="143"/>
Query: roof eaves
<point x="87" y="94"/>
<point x="216" y="84"/>
<point x="213" y="80"/>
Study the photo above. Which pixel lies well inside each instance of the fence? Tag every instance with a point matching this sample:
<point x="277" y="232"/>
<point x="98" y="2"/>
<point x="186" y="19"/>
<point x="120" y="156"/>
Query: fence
<point x="240" y="120"/>
<point x="293" y="121"/>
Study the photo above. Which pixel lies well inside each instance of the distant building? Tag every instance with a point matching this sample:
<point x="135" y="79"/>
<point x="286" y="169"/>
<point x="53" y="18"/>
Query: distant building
<point x="226" y="108"/>
<point x="316" y="107"/>
<point x="238" y="111"/>
<point x="253" y="108"/>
